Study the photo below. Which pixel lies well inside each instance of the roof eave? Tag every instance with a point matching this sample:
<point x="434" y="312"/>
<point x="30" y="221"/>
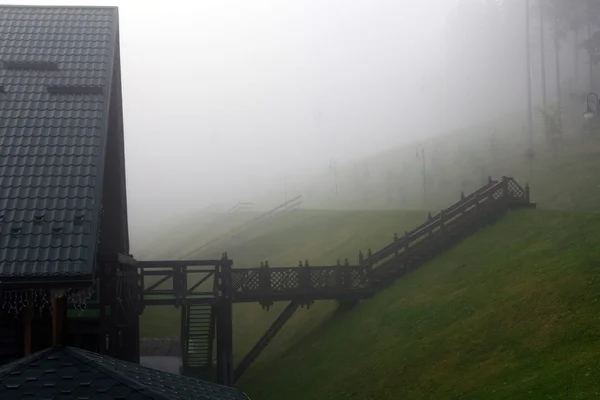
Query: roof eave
<point x="45" y="281"/>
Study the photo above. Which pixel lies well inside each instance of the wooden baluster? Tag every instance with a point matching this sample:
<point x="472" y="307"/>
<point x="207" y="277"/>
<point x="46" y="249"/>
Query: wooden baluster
<point x="339" y="275"/>
<point x="442" y="228"/>
<point x="506" y="196"/>
<point x="264" y="278"/>
<point x="304" y="278"/>
<point x="406" y="249"/>
<point x="527" y="199"/>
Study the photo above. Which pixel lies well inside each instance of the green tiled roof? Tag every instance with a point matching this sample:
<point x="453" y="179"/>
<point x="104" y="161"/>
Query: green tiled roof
<point x="56" y="65"/>
<point x="68" y="373"/>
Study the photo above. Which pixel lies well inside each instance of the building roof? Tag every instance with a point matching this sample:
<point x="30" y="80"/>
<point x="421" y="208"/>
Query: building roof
<point x="67" y="373"/>
<point x="57" y="67"/>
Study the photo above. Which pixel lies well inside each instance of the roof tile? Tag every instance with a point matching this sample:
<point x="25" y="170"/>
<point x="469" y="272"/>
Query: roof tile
<point x="51" y="143"/>
<point x="64" y="373"/>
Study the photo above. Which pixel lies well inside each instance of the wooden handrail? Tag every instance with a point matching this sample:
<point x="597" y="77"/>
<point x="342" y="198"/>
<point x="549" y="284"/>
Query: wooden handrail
<point x="478" y="196"/>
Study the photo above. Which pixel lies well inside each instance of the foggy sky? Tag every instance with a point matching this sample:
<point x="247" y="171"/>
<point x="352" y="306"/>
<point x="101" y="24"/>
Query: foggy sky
<point x="223" y="95"/>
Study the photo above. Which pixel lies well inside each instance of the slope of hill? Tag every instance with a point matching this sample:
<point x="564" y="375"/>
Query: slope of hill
<point x="509" y="313"/>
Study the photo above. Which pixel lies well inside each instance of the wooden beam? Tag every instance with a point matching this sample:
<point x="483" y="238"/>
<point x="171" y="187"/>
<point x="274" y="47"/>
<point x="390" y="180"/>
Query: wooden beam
<point x="59" y="320"/>
<point x="127" y="260"/>
<point x="265" y="339"/>
<point x="182" y="263"/>
<point x="28" y="318"/>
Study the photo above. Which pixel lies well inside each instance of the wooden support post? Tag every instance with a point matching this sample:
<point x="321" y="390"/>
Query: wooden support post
<point x="442" y="228"/>
<point x="406" y="248"/>
<point x="183" y="336"/>
<point x="225" y="374"/>
<point x="506" y="195"/>
<point x="59" y="320"/>
<point x="27" y="322"/>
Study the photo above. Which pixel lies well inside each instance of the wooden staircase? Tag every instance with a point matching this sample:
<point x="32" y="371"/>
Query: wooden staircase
<point x="443" y="230"/>
<point x="198" y="328"/>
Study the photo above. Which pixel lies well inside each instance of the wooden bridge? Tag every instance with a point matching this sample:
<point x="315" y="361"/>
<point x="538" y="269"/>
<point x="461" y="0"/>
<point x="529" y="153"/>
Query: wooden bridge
<point x="205" y="290"/>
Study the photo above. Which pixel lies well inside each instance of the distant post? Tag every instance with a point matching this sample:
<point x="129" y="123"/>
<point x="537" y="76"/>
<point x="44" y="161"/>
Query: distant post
<point x="528" y="67"/>
<point x="421" y="155"/>
<point x="333" y="168"/>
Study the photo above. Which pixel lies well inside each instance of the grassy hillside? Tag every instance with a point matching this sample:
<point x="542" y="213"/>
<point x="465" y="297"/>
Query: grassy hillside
<point x="510" y="313"/>
<point x="470" y="315"/>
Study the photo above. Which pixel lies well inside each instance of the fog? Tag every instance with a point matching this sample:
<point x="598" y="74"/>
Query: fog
<point x="226" y="101"/>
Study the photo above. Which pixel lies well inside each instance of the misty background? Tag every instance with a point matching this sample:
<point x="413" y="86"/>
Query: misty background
<point x="232" y="100"/>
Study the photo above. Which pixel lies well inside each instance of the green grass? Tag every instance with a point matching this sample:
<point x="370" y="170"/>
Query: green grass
<point x="512" y="312"/>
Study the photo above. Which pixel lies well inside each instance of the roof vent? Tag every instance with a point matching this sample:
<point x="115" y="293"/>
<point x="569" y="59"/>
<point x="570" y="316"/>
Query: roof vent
<point x="31" y="65"/>
<point x="38" y="219"/>
<point x="2" y="89"/>
<point x="79" y="219"/>
<point x="75" y="89"/>
<point x="14" y="232"/>
<point x="57" y="230"/>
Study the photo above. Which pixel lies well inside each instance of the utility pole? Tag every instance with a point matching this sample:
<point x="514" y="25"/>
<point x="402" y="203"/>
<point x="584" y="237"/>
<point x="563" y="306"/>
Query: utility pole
<point x="528" y="56"/>
<point x="589" y="32"/>
<point x="421" y="155"/>
<point x="333" y="167"/>
<point x="543" y="50"/>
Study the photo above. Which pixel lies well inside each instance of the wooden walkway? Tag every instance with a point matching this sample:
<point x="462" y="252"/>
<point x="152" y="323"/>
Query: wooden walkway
<point x="205" y="290"/>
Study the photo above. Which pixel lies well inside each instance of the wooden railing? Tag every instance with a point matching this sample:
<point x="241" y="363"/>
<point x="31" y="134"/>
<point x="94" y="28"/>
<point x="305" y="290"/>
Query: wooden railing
<point x="288" y="206"/>
<point x="177" y="282"/>
<point x="499" y="195"/>
<point x="319" y="282"/>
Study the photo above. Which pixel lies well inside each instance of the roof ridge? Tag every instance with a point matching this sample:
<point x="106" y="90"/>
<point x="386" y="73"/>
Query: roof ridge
<point x="144" y="389"/>
<point x="9" y="368"/>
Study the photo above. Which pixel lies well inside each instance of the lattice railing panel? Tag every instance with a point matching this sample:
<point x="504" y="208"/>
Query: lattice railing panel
<point x="323" y="278"/>
<point x="359" y="277"/>
<point x="283" y="279"/>
<point x="498" y="193"/>
<point x="245" y="280"/>
<point x="515" y="190"/>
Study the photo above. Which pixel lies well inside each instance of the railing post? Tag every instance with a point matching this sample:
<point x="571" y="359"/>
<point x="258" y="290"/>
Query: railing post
<point x="406" y="248"/>
<point x="339" y="275"/>
<point x="224" y="317"/>
<point x="183" y="283"/>
<point x="506" y="195"/>
<point x="395" y="245"/>
<point x="264" y="278"/>
<point x="177" y="285"/>
<point x="304" y="277"/>
<point x="527" y="199"/>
